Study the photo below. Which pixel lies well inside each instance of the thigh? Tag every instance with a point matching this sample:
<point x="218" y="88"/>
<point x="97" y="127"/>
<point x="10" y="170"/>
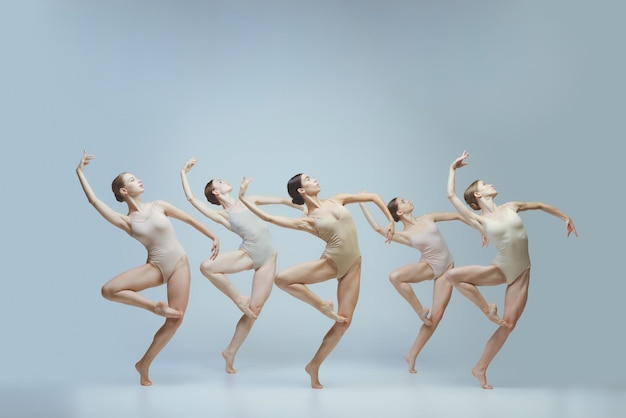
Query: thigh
<point x="442" y="292"/>
<point x="348" y="290"/>
<point x="137" y="279"/>
<point x="262" y="282"/>
<point x="414" y="272"/>
<point x="515" y="298"/>
<point x="309" y="272"/>
<point x="178" y="285"/>
<point x="477" y="275"/>
<point x="230" y="262"/>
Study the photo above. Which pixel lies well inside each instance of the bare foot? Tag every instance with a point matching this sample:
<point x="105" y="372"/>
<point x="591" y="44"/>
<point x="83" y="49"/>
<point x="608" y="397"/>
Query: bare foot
<point x="162" y="309"/>
<point x="482" y="378"/>
<point x="424" y="317"/>
<point x="243" y="303"/>
<point x="311" y="371"/>
<point x="143" y="375"/>
<point x="492" y="314"/>
<point x="329" y="310"/>
<point x="230" y="359"/>
<point x="411" y="360"/>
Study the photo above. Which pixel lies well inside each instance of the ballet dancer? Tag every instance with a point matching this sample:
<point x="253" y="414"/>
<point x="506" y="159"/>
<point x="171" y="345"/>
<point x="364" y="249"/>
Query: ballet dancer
<point x="167" y="263"/>
<point x="420" y="232"/>
<point x="256" y="252"/>
<point x="329" y="220"/>
<point x="503" y="227"/>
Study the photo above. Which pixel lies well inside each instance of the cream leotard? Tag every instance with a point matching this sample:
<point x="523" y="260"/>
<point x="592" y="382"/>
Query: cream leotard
<point x="509" y="235"/>
<point x="257" y="242"/>
<point x="154" y="230"/>
<point x="431" y="244"/>
<point x="342" y="245"/>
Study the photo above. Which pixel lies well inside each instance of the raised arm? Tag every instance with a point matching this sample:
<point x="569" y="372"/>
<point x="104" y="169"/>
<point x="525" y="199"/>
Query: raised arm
<point x="174" y="212"/>
<point x="569" y="224"/>
<point x="205" y="209"/>
<point x="119" y="220"/>
<point x="302" y="224"/>
<point x="369" y="197"/>
<point x="469" y="216"/>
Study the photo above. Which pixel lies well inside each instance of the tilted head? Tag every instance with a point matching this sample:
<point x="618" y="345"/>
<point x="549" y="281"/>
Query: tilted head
<point x="393" y="208"/>
<point x="126" y="184"/>
<point x="208" y="193"/>
<point x="117" y="184"/>
<point x="478" y="190"/>
<point x="293" y="185"/>
<point x="398" y="206"/>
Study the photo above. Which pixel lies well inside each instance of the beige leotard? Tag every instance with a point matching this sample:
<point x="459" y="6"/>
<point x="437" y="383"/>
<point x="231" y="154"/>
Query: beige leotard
<point x="154" y="230"/>
<point x="431" y="244"/>
<point x="342" y="245"/>
<point x="257" y="242"/>
<point x="508" y="233"/>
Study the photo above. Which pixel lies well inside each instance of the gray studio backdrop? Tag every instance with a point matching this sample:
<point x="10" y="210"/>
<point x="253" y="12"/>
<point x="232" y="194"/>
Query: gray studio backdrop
<point x="376" y="95"/>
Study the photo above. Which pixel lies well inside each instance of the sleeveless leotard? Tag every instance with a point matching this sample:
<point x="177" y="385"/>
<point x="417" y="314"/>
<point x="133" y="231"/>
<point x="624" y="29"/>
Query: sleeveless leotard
<point x="257" y="242"/>
<point x="509" y="235"/>
<point x="342" y="245"/>
<point x="431" y="244"/>
<point x="154" y="230"/>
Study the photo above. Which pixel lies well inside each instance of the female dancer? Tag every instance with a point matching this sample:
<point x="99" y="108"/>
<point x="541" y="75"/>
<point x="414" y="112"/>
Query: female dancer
<point x="257" y="252"/>
<point x="331" y="221"/>
<point x="512" y="263"/>
<point x="166" y="264"/>
<point x="421" y="233"/>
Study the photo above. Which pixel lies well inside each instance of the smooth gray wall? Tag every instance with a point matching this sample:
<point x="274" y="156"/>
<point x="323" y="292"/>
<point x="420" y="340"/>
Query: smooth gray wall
<point x="376" y="95"/>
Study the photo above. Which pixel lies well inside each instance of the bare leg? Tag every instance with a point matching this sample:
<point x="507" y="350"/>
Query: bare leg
<point x="466" y="278"/>
<point x="442" y="291"/>
<point x="347" y="297"/>
<point x="294" y="280"/>
<point x="262" y="284"/>
<point x="226" y="263"/>
<point x="402" y="278"/>
<point x="178" y="296"/>
<point x="124" y="288"/>
<point x="514" y="302"/>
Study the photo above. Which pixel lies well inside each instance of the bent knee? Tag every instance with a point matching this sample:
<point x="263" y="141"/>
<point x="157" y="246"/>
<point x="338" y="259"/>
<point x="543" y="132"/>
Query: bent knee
<point x="436" y="317"/>
<point x="452" y="277"/>
<point x="108" y="291"/>
<point x="174" y="323"/>
<point x="281" y="281"/>
<point x="394" y="278"/>
<point x="206" y="267"/>
<point x="256" y="309"/>
<point x="510" y="326"/>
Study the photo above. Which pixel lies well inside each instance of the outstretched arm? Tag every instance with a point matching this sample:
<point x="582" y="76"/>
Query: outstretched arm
<point x="380" y="229"/>
<point x="116" y="218"/>
<point x="369" y="197"/>
<point x="212" y="214"/>
<point x="303" y="224"/>
<point x="454" y="216"/>
<point x="470" y="218"/>
<point x="274" y="200"/>
<point x="569" y="224"/>
<point x="174" y="212"/>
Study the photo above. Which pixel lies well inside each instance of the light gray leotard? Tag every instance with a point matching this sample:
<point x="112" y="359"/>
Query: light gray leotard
<point x="154" y="230"/>
<point x="431" y="244"/>
<point x="257" y="242"/>
<point x="342" y="245"/>
<point x="509" y="235"/>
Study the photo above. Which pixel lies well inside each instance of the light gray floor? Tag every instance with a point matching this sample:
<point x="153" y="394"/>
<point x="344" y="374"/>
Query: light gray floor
<point x="351" y="390"/>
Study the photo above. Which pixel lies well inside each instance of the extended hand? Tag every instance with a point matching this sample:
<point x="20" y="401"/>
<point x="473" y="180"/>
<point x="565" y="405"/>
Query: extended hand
<point x="459" y="162"/>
